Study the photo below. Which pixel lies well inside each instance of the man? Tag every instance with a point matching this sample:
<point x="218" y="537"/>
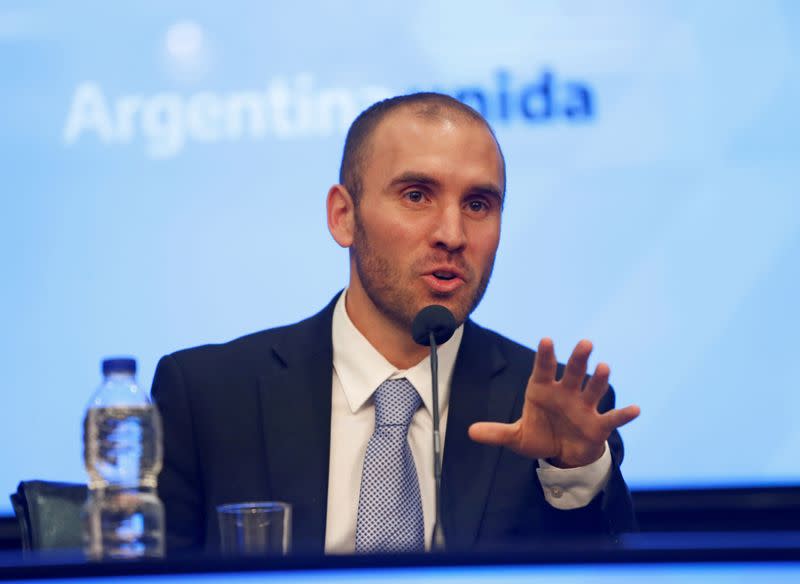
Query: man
<point x="295" y="413"/>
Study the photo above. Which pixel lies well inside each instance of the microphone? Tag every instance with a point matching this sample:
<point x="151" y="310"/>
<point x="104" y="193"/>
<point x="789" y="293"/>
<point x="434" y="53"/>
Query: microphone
<point x="433" y="326"/>
<point x="433" y="320"/>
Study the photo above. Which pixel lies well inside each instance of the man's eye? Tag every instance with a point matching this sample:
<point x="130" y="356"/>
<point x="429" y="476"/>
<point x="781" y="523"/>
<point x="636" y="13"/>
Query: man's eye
<point x="477" y="206"/>
<point x="414" y="196"/>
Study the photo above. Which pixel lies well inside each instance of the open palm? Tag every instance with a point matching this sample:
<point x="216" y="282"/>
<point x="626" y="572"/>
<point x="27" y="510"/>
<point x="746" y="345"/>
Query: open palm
<point x="559" y="421"/>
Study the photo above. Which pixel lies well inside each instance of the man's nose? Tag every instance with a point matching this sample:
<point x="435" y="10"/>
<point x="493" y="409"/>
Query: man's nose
<point x="448" y="233"/>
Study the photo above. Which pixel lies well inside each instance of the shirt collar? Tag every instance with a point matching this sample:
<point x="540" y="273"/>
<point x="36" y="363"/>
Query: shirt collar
<point x="361" y="368"/>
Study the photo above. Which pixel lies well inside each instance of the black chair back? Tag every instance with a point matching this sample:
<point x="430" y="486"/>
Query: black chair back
<point x="49" y="514"/>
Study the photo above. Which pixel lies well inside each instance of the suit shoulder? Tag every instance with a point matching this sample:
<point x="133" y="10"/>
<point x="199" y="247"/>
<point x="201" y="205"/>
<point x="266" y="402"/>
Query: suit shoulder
<point x="244" y="344"/>
<point x="253" y="347"/>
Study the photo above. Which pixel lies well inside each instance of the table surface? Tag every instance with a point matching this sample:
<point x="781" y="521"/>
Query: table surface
<point x="651" y="557"/>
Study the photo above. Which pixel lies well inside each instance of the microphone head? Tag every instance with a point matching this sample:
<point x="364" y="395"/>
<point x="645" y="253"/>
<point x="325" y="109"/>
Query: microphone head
<point x="434" y="319"/>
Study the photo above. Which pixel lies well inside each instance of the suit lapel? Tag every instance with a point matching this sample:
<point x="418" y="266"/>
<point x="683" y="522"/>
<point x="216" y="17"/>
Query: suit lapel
<point x="476" y="394"/>
<point x="295" y="394"/>
<point x="296" y="413"/>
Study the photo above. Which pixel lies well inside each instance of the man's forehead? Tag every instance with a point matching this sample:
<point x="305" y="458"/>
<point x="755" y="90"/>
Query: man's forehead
<point x="424" y="118"/>
<point x="407" y="127"/>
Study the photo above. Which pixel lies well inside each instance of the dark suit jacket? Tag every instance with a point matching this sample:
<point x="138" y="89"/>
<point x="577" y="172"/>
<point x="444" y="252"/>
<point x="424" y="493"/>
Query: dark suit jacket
<point x="249" y="420"/>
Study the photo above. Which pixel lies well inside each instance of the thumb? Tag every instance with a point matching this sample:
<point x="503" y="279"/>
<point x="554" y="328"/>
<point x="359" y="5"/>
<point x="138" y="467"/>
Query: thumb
<point x="493" y="433"/>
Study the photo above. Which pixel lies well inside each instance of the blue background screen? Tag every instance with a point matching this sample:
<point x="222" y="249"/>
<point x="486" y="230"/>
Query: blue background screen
<point x="163" y="171"/>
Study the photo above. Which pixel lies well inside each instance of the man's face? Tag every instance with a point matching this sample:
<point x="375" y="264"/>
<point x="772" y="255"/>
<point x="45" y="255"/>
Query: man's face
<point x="427" y="224"/>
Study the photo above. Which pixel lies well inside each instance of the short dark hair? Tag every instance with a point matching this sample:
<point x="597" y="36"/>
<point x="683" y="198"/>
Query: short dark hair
<point x="432" y="105"/>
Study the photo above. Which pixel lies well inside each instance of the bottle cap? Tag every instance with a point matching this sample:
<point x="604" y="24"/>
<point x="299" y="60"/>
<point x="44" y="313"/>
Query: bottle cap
<point x="119" y="365"/>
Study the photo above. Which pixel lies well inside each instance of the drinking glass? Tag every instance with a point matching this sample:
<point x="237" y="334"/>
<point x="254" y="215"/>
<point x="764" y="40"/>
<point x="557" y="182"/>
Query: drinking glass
<point x="260" y="528"/>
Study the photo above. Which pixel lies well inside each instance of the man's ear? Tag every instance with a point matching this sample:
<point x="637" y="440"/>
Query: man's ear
<point x="341" y="215"/>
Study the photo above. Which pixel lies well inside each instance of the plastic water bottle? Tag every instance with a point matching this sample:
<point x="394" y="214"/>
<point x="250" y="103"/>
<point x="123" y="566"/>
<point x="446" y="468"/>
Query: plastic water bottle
<point x="123" y="516"/>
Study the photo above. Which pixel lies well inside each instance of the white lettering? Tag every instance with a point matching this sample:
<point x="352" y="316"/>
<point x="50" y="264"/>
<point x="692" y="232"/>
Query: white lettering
<point x="337" y="110"/>
<point x="166" y="122"/>
<point x="203" y="116"/>
<point x="279" y="98"/>
<point x="88" y="113"/>
<point x="304" y="117"/>
<point x="126" y="109"/>
<point x="162" y="125"/>
<point x="245" y="110"/>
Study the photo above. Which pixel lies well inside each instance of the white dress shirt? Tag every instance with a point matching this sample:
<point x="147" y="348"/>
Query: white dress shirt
<point x="358" y="370"/>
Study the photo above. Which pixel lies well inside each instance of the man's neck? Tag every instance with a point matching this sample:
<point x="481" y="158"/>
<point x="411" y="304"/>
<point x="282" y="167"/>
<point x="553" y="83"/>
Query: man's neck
<point x="392" y="341"/>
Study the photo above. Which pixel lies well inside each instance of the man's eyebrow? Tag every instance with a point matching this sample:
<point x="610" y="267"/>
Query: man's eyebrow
<point x="414" y="178"/>
<point x="488" y="189"/>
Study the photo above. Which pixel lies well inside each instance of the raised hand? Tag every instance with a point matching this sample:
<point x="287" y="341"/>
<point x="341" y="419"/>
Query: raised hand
<point x="560" y="421"/>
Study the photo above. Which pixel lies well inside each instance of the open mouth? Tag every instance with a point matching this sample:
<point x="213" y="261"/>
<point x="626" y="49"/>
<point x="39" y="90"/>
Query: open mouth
<point x="444" y="281"/>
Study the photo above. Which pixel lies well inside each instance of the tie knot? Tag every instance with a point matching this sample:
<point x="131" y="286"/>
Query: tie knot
<point x="396" y="401"/>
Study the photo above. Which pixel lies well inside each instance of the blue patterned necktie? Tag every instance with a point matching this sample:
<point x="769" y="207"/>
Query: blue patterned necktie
<point x="389" y="504"/>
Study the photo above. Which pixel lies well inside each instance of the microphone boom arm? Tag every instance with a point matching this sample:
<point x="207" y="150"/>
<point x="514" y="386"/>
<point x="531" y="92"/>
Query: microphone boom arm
<point x="438" y="534"/>
<point x="434" y="325"/>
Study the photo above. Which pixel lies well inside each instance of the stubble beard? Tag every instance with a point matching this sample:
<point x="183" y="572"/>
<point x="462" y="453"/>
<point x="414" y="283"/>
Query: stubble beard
<point x="384" y="283"/>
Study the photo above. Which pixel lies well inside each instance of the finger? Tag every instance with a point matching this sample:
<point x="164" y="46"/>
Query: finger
<point x="545" y="365"/>
<point x="597" y="386"/>
<point x="493" y="433"/>
<point x="575" y="370"/>
<point x="616" y="418"/>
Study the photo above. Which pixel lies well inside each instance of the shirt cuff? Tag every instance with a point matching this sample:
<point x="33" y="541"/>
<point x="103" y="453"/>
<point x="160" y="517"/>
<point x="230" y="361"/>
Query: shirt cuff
<point x="573" y="488"/>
